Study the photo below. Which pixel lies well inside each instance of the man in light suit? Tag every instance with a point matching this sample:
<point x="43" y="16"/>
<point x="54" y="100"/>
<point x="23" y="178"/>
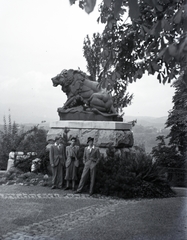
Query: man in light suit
<point x="90" y="159"/>
<point x="57" y="161"/>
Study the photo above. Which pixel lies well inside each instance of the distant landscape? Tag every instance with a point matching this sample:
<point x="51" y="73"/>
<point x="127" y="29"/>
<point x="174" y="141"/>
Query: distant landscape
<point x="145" y="130"/>
<point x="147" y="121"/>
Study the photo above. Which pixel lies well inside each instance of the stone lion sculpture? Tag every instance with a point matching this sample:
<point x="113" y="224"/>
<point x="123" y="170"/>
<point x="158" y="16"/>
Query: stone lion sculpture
<point x="81" y="91"/>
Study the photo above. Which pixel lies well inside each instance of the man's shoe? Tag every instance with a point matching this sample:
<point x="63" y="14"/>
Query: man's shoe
<point x="90" y="194"/>
<point x="67" y="188"/>
<point x="53" y="187"/>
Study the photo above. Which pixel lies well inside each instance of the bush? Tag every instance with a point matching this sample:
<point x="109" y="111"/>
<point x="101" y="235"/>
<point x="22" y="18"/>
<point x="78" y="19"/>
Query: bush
<point x="133" y="175"/>
<point x="24" y="164"/>
<point x="14" y="136"/>
<point x="45" y="167"/>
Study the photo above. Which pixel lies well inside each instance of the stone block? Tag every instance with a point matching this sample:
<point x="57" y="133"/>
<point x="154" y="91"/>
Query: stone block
<point x="104" y="125"/>
<point x="105" y="134"/>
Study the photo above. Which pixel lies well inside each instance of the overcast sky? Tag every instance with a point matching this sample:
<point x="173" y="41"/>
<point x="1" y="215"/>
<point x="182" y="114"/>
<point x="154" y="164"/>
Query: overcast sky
<point x="40" y="38"/>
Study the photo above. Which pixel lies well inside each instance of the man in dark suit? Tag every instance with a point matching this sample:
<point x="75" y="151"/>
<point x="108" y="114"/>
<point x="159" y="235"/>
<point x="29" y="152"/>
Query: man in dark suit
<point x="90" y="159"/>
<point x="72" y="163"/>
<point x="57" y="161"/>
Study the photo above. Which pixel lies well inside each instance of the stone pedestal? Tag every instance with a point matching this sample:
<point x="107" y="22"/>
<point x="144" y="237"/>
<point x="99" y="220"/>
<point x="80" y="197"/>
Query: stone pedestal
<point x="105" y="134"/>
<point x="86" y="116"/>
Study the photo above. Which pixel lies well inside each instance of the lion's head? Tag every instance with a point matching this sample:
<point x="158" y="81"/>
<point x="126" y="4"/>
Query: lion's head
<point x="66" y="78"/>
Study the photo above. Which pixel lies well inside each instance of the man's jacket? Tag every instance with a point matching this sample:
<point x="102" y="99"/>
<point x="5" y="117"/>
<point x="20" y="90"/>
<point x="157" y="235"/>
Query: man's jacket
<point x="57" y="155"/>
<point x="92" y="157"/>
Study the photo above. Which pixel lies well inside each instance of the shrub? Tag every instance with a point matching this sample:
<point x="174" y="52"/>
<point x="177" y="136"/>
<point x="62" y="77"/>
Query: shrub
<point x="171" y="158"/>
<point x="14" y="136"/>
<point x="132" y="175"/>
<point x="45" y="167"/>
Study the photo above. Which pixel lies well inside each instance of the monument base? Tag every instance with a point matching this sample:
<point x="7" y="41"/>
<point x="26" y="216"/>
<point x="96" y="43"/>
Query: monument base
<point x="75" y="115"/>
<point x="105" y="134"/>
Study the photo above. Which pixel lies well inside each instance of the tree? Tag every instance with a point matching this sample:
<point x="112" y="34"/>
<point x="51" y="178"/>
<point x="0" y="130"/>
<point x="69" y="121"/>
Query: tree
<point x="167" y="156"/>
<point x="177" y="119"/>
<point x="92" y="54"/>
<point x="147" y="36"/>
<point x="174" y="154"/>
<point x="35" y="141"/>
<point x="14" y="137"/>
<point x="92" y="50"/>
<point x="154" y="40"/>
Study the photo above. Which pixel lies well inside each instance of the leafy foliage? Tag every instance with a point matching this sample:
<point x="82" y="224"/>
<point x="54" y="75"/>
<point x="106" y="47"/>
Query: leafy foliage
<point x="35" y="141"/>
<point x="174" y="155"/>
<point x="131" y="176"/>
<point x="104" y="73"/>
<point x="148" y="36"/>
<point x="153" y="40"/>
<point x="23" y="164"/>
<point x="92" y="54"/>
<point x="15" y="137"/>
<point x="167" y="156"/>
<point x="170" y="158"/>
<point x="177" y="119"/>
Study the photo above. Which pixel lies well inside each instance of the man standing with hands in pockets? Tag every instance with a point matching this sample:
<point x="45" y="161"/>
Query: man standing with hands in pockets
<point x="91" y="157"/>
<point x="57" y="161"/>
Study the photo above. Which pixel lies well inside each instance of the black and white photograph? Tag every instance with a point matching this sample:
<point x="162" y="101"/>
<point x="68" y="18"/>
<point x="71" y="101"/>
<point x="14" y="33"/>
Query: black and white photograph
<point x="93" y="119"/>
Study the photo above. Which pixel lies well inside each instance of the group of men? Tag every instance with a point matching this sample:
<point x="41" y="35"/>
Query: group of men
<point x="69" y="157"/>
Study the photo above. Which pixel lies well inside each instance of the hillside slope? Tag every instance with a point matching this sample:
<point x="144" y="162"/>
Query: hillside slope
<point x="147" y="121"/>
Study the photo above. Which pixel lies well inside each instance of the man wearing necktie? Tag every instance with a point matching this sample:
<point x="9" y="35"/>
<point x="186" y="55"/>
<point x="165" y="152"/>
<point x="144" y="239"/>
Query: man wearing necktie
<point x="57" y="161"/>
<point x="72" y="163"/>
<point x="91" y="157"/>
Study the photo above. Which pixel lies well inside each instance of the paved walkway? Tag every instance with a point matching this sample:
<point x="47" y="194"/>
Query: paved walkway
<point x="40" y="213"/>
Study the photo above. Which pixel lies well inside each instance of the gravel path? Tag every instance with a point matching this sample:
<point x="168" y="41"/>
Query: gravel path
<point x="40" y="213"/>
<point x="52" y="228"/>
